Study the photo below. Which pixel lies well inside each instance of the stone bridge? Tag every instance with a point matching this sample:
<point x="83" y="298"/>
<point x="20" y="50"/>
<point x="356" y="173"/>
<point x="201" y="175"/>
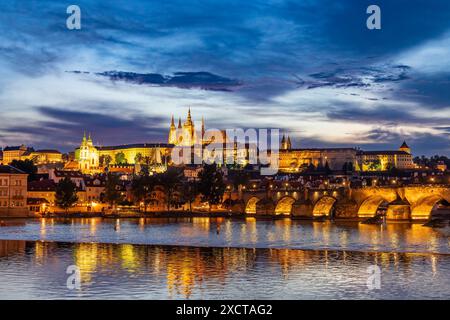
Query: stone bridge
<point x="398" y="203"/>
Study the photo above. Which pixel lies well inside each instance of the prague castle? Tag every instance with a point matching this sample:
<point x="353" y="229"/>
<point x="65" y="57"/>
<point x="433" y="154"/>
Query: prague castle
<point x="296" y="160"/>
<point x="185" y="134"/>
<point x="157" y="156"/>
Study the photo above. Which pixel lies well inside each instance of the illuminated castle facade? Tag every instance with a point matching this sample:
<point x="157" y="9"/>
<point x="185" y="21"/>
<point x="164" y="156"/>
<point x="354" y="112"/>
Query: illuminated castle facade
<point x="185" y="134"/>
<point x="297" y="160"/>
<point x="93" y="159"/>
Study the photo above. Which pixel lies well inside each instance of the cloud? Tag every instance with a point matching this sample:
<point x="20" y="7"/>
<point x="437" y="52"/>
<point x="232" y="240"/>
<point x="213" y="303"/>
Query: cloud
<point x="68" y="126"/>
<point x="202" y="80"/>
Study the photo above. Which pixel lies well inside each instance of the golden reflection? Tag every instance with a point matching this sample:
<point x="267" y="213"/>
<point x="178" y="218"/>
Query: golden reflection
<point x="343" y="239"/>
<point x="283" y="227"/>
<point x="252" y="230"/>
<point x="141" y="224"/>
<point x="434" y="265"/>
<point x="228" y="231"/>
<point x="93" y="225"/>
<point x="243" y="233"/>
<point x="202" y="223"/>
<point x="130" y="259"/>
<point x="186" y="271"/>
<point x="11" y="247"/>
<point x="86" y="257"/>
<point x="43" y="229"/>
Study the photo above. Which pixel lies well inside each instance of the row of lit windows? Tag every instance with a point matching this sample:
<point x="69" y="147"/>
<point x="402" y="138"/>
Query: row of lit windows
<point x="13" y="204"/>
<point x="4" y="182"/>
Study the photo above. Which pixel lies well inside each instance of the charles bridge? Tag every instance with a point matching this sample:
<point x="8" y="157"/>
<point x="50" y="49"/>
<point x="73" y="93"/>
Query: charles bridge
<point x="413" y="202"/>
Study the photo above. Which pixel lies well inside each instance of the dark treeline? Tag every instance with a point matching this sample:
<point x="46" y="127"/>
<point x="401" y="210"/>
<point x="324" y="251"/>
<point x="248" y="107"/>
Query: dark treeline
<point x="432" y="161"/>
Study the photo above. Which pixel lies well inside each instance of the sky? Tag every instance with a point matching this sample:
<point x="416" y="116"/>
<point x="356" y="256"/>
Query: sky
<point x="310" y="68"/>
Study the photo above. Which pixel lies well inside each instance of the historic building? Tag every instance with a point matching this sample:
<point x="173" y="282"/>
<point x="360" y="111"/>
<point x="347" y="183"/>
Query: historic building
<point x="208" y="145"/>
<point x="200" y="144"/>
<point x="11" y="153"/>
<point x="13" y="192"/>
<point x="384" y="160"/>
<point x="185" y="134"/>
<point x="93" y="159"/>
<point x="296" y="160"/>
<point x="23" y="152"/>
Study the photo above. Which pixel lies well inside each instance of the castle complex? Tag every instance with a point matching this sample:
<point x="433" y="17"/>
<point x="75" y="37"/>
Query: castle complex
<point x="295" y="160"/>
<point x="157" y="156"/>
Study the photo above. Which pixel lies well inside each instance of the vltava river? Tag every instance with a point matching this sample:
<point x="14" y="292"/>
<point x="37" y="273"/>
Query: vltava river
<point x="221" y="259"/>
<point x="220" y="232"/>
<point x="124" y="271"/>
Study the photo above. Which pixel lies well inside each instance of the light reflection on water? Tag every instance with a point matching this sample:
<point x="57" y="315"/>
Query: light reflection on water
<point x="38" y="270"/>
<point x="222" y="232"/>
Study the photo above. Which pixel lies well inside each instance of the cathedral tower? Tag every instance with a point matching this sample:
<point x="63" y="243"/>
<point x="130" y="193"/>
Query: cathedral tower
<point x="88" y="159"/>
<point x="286" y="143"/>
<point x="172" y="132"/>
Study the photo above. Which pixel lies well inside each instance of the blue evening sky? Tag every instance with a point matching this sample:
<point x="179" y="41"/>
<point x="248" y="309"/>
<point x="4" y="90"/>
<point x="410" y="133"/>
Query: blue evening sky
<point x="308" y="67"/>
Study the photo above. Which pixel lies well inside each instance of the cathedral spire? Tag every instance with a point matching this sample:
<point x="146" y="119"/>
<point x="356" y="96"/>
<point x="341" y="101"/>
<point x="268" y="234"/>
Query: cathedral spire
<point x="172" y="123"/>
<point x="189" y="118"/>
<point x="84" y="136"/>
<point x="179" y="123"/>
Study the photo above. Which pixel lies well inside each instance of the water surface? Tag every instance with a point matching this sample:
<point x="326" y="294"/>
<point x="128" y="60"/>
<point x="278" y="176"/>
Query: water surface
<point x="37" y="270"/>
<point x="223" y="232"/>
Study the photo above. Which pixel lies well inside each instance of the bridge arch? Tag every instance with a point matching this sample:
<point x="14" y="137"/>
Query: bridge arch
<point x="284" y="206"/>
<point x="324" y="206"/>
<point x="370" y="206"/>
<point x="250" y="207"/>
<point x="424" y="207"/>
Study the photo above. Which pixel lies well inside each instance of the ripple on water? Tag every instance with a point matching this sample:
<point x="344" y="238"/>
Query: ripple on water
<point x="38" y="270"/>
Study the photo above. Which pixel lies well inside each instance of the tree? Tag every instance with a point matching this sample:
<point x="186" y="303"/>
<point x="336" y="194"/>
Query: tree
<point x="105" y="160"/>
<point x="26" y="166"/>
<point x="211" y="184"/>
<point x="120" y="158"/>
<point x="142" y="187"/>
<point x="170" y="181"/>
<point x="189" y="192"/>
<point x="66" y="194"/>
<point x="347" y="167"/>
<point x="327" y="169"/>
<point x="311" y="168"/>
<point x="112" y="192"/>
<point x="239" y="178"/>
<point x="138" y="158"/>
